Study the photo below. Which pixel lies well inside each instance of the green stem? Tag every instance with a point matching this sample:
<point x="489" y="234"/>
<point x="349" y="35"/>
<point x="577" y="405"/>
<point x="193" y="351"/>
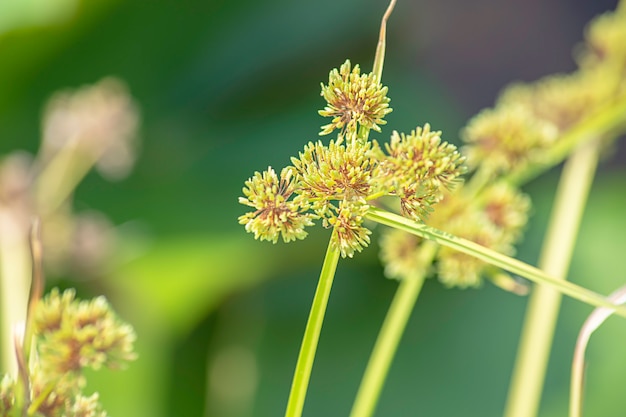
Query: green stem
<point x="379" y="58"/>
<point x="390" y="335"/>
<point x="544" y="303"/>
<point x="492" y="257"/>
<point x="312" y="332"/>
<point x="36" y="286"/>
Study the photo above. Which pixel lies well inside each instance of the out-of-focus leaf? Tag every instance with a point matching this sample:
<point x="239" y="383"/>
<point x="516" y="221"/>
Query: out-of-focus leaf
<point x="178" y="281"/>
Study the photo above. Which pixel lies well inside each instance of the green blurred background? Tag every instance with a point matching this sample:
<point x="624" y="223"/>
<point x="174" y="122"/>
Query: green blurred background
<point x="229" y="87"/>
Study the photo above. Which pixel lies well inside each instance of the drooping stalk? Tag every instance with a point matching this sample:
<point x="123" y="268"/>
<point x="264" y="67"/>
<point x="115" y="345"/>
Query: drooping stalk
<point x="312" y="332"/>
<point x="492" y="257"/>
<point x="594" y="321"/>
<point x="543" y="305"/>
<point x="390" y="335"/>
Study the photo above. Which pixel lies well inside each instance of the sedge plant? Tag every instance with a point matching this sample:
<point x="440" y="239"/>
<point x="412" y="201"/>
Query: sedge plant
<point x="462" y="232"/>
<point x="47" y="342"/>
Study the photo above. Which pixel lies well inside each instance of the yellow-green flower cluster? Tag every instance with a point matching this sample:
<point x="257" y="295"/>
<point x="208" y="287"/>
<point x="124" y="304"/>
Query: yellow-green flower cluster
<point x="337" y="182"/>
<point x="417" y="168"/>
<point x="518" y="133"/>
<point x="354" y="100"/>
<point x="70" y="335"/>
<point x="529" y="118"/>
<point x="506" y="138"/>
<point x="605" y="41"/>
<point x="7" y="395"/>
<point x="275" y="215"/>
<point x="77" y="334"/>
<point x="495" y="220"/>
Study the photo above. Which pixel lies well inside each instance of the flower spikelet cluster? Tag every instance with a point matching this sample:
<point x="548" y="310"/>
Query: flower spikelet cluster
<point x="506" y="138"/>
<point x="275" y="215"/>
<point x="495" y="219"/>
<point x="350" y="234"/>
<point x="529" y="119"/>
<point x="399" y="253"/>
<point x="562" y="100"/>
<point x="354" y="100"/>
<point x="77" y="334"/>
<point x="70" y="335"/>
<point x="100" y="120"/>
<point x="60" y="397"/>
<point x="337" y="182"/>
<point x="418" y="167"/>
<point x="86" y="407"/>
<point x="606" y="40"/>
<point x="336" y="171"/>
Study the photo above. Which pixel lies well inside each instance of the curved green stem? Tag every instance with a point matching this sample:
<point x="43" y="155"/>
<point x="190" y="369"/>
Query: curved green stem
<point x="379" y="59"/>
<point x="544" y="303"/>
<point x="492" y="257"/>
<point x="312" y="332"/>
<point x="595" y="320"/>
<point x="390" y="335"/>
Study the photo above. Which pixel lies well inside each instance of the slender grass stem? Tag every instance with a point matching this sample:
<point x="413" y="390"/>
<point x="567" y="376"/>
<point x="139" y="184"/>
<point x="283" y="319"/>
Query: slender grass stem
<point x="390" y="335"/>
<point x="492" y="257"/>
<point x="312" y="332"/>
<point x="379" y="58"/>
<point x="36" y="286"/>
<point x="544" y="303"/>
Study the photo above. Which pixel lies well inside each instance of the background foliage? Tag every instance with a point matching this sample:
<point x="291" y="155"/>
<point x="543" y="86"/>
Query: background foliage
<point x="227" y="88"/>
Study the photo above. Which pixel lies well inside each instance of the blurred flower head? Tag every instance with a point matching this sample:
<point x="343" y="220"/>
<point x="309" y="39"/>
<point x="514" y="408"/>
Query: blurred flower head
<point x="100" y="121"/>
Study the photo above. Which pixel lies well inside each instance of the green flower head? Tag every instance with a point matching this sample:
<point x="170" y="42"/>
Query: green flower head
<point x="507" y="137"/>
<point x="354" y="100"/>
<point x="275" y="215"/>
<point x="350" y="235"/>
<point x="78" y="334"/>
<point x="336" y="171"/>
